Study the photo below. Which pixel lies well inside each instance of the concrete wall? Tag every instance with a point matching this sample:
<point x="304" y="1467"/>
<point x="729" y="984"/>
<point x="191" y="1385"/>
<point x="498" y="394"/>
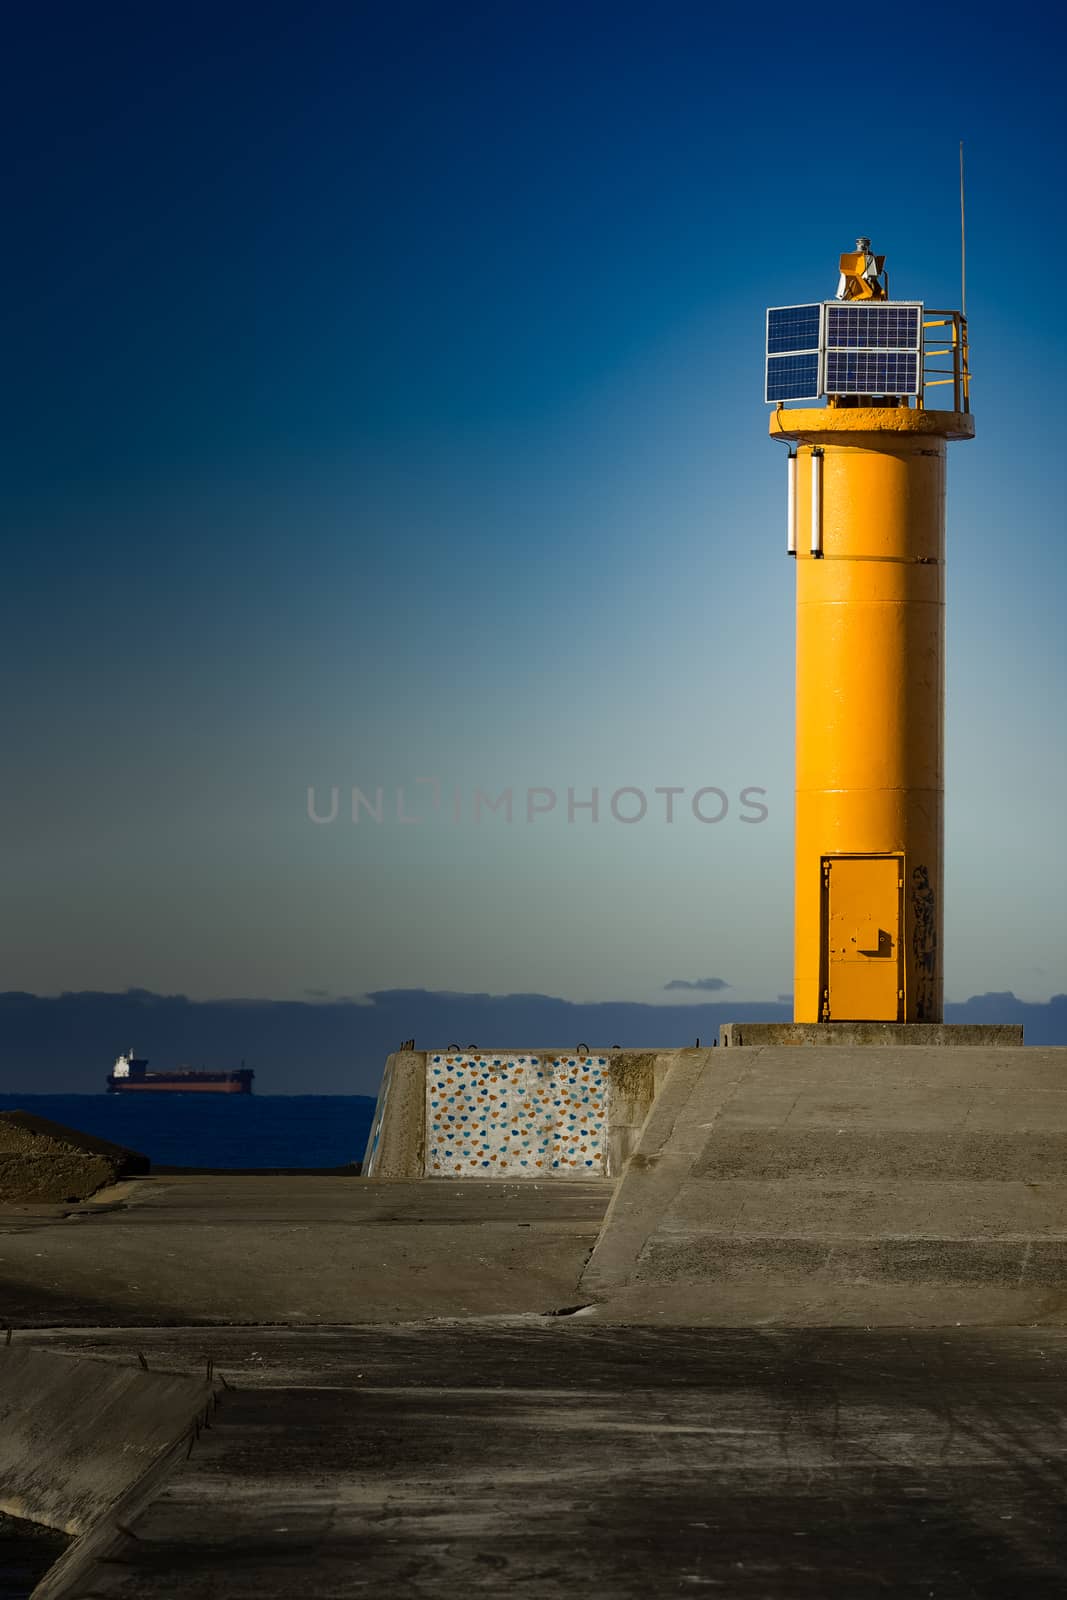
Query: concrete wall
<point x="511" y="1114"/>
<point x="396" y="1144"/>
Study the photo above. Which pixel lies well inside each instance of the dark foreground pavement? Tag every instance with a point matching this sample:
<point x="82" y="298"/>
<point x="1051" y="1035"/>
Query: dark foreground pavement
<point x="558" y="1457"/>
<point x="26" y="1553"/>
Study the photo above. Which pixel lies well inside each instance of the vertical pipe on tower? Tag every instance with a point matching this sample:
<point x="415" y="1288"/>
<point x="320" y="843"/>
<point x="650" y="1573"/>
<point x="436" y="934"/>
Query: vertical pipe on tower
<point x="791" y="503"/>
<point x="816" y="502"/>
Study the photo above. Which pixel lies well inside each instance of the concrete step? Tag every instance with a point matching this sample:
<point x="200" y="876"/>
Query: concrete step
<point x="813" y="1177"/>
<point x="882" y="1154"/>
<point x="865" y="1208"/>
<point x="1010" y="1263"/>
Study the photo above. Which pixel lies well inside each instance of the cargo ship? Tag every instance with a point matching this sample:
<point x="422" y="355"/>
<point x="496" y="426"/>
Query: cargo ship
<point x="130" y="1075"/>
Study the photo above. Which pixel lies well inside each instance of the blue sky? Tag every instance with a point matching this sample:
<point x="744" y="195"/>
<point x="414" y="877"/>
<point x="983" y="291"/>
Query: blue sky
<point x="383" y="402"/>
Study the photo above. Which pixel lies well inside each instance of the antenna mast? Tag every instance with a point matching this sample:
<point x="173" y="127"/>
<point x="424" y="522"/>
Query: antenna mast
<point x="963" y="243"/>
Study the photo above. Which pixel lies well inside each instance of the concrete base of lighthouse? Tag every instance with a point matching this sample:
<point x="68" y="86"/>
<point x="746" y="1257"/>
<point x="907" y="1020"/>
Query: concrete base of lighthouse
<point x="1001" y="1034"/>
<point x="920" y="1186"/>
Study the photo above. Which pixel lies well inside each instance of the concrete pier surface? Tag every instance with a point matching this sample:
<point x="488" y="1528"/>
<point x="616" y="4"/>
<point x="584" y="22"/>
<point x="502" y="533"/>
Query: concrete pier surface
<point x="737" y="1367"/>
<point x="560" y="1458"/>
<point x="297" y="1250"/>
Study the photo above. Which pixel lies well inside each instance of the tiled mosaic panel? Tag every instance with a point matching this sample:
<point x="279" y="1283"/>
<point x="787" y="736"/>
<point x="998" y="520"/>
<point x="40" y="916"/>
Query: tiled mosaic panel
<point x="516" y="1116"/>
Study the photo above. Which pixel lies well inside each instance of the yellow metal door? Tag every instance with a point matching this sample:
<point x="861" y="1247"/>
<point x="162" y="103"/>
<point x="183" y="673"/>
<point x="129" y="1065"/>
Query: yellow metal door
<point x="864" y="971"/>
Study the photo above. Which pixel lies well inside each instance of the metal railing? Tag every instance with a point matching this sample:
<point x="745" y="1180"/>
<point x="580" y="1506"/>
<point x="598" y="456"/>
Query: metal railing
<point x="946" y="357"/>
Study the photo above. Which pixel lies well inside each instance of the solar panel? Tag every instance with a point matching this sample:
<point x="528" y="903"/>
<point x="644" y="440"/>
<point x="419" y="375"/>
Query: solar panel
<point x="874" y="372"/>
<point x="793" y="328"/>
<point x="873" y="348"/>
<point x="878" y="326"/>
<point x="852" y="347"/>
<point x="793" y="377"/>
<point x="794" y="341"/>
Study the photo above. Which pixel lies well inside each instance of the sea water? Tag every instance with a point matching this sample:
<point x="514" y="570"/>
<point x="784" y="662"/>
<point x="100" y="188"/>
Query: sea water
<point x="232" y="1131"/>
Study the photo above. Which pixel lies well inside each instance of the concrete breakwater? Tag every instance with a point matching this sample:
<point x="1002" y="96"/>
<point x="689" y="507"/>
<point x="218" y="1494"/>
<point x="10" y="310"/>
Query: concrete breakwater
<point x="522" y="1115"/>
<point x="43" y="1162"/>
<point x="83" y="1442"/>
<point x="649" y="1369"/>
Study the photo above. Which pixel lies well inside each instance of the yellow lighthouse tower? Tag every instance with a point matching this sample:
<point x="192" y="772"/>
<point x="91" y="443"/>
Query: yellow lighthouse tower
<point x="866" y="527"/>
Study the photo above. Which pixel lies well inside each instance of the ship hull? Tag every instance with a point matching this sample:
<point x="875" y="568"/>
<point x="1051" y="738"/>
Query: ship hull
<point x="161" y="1085"/>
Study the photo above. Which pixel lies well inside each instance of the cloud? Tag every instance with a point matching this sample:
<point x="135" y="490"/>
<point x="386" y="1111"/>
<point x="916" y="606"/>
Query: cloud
<point x="709" y="985"/>
<point x="65" y="1044"/>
